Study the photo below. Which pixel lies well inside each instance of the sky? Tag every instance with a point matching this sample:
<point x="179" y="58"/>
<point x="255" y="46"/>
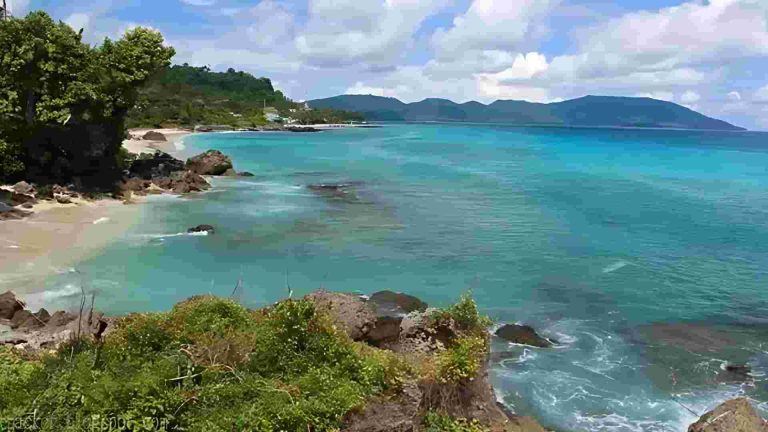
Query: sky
<point x="709" y="55"/>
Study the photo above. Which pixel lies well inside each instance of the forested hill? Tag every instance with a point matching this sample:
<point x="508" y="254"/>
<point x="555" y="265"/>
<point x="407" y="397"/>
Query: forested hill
<point x="187" y="95"/>
<point x="588" y="111"/>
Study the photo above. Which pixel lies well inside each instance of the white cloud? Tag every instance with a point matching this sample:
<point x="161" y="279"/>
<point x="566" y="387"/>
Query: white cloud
<point x="690" y="97"/>
<point x="491" y="24"/>
<point x="372" y="32"/>
<point x="18" y="7"/>
<point x="734" y="96"/>
<point x="761" y="95"/>
<point x="78" y="21"/>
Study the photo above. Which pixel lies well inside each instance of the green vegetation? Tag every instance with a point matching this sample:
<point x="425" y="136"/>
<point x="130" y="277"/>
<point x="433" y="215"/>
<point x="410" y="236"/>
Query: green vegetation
<point x="187" y="96"/>
<point x="211" y="365"/>
<point x="436" y="422"/>
<point x="62" y="102"/>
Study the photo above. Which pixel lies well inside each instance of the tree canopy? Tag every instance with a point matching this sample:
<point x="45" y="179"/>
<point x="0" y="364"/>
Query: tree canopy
<point x="55" y="85"/>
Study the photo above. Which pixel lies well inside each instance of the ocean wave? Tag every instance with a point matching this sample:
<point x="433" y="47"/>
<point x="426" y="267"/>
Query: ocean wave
<point x="101" y="220"/>
<point x="615" y="266"/>
<point x="178" y="234"/>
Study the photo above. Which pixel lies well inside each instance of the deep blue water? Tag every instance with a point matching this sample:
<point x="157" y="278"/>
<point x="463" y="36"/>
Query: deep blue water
<point x="644" y="252"/>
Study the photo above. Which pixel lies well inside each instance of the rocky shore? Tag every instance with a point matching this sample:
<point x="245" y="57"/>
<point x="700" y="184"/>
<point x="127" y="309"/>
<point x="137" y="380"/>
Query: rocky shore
<point x="386" y="320"/>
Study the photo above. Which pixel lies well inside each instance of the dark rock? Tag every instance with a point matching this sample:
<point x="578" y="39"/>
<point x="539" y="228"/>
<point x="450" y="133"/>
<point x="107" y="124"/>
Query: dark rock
<point x="734" y="374"/>
<point x="212" y="162"/>
<point x="183" y="182"/>
<point x="349" y="311"/>
<point x="135" y="184"/>
<point x="9" y="305"/>
<point x="397" y="302"/>
<point x="301" y="129"/>
<point x="24" y="188"/>
<point x="14" y="199"/>
<point x="735" y="415"/>
<point x="245" y="174"/>
<point x="385" y="330"/>
<point x="158" y="165"/>
<point x="154" y="136"/>
<point x="60" y="318"/>
<point x="230" y="173"/>
<point x="24" y="317"/>
<point x="27" y="205"/>
<point x="522" y="334"/>
<point x="202" y="228"/>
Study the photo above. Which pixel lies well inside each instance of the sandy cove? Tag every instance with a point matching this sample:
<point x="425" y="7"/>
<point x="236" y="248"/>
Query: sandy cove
<point x="58" y="236"/>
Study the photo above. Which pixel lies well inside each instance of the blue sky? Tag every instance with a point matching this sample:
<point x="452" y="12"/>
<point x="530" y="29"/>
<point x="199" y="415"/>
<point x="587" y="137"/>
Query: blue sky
<point x="709" y="55"/>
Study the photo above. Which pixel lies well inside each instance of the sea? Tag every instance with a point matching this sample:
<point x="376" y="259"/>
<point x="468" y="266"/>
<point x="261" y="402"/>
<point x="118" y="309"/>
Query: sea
<point x="643" y="253"/>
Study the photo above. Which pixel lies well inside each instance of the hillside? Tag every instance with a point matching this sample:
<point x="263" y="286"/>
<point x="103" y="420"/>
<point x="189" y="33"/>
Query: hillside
<point x="183" y="95"/>
<point x="596" y="111"/>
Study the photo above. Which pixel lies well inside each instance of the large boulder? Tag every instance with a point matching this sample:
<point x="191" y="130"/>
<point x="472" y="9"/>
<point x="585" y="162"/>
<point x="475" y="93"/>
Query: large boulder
<point x="182" y="182"/>
<point x="24" y="188"/>
<point x="212" y="162"/>
<point x="158" y="165"/>
<point x="9" y="213"/>
<point x="9" y="305"/>
<point x="397" y="302"/>
<point x="154" y="136"/>
<point x="736" y="415"/>
<point x="349" y="311"/>
<point x="523" y="335"/>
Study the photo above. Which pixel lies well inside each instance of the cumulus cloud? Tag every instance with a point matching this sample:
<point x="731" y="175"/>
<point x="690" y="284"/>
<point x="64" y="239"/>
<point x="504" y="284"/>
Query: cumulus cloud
<point x="78" y="20"/>
<point x="734" y="96"/>
<point x="761" y="95"/>
<point x="690" y="97"/>
<point x="492" y="24"/>
<point x="373" y="32"/>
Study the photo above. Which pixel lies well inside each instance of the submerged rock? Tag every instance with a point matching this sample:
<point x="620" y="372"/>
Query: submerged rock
<point x="202" y="228"/>
<point x="230" y="173"/>
<point x="522" y="334"/>
<point x="9" y="213"/>
<point x="736" y="415"/>
<point x="246" y="174"/>
<point x="212" y="162"/>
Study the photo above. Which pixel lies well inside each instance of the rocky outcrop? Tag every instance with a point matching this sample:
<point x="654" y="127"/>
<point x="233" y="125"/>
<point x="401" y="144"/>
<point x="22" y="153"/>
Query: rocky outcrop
<point x="735" y="415"/>
<point x="9" y="305"/>
<point x="523" y="335"/>
<point x="14" y="199"/>
<point x="154" y="136"/>
<point x="158" y="165"/>
<point x="398" y="302"/>
<point x="212" y="162"/>
<point x="400" y="414"/>
<point x="41" y="330"/>
<point x="24" y="188"/>
<point x="10" y="213"/>
<point x="202" y="228"/>
<point x="182" y="182"/>
<point x="351" y="312"/>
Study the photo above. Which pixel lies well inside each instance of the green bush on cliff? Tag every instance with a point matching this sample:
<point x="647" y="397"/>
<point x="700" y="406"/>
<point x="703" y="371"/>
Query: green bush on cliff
<point x="207" y="365"/>
<point x="436" y="422"/>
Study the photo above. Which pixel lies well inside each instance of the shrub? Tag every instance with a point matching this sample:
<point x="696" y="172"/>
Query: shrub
<point x="436" y="422"/>
<point x="11" y="164"/>
<point x="207" y="314"/>
<point x="462" y="361"/>
<point x="465" y="314"/>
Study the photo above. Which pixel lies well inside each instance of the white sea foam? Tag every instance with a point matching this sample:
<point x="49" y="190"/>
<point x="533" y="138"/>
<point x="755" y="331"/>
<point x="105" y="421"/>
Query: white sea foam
<point x="101" y="220"/>
<point x="178" y="234"/>
<point x="615" y="266"/>
<point x="179" y="144"/>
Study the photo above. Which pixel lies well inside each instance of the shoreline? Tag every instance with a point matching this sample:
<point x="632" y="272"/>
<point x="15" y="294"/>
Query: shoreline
<point x="57" y="236"/>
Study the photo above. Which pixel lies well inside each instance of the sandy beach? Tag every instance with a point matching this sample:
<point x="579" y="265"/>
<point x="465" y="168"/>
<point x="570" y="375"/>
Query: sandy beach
<point x="173" y="144"/>
<point x="57" y="236"/>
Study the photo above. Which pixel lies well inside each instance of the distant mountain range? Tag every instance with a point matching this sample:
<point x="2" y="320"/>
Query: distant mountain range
<point x="587" y="111"/>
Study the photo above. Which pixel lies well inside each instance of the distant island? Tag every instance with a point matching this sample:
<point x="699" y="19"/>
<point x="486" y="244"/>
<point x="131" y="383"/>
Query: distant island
<point x="587" y="111"/>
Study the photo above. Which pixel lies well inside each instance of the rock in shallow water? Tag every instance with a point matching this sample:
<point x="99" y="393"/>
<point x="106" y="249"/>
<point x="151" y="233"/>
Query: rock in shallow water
<point x="202" y="228"/>
<point x="212" y="162"/>
<point x="9" y="305"/>
<point x="522" y="334"/>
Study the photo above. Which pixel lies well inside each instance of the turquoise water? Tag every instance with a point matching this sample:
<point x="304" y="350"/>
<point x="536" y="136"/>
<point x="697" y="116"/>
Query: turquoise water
<point x="643" y="252"/>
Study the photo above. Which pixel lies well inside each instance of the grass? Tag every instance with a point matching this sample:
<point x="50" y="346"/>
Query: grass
<point x="209" y="364"/>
